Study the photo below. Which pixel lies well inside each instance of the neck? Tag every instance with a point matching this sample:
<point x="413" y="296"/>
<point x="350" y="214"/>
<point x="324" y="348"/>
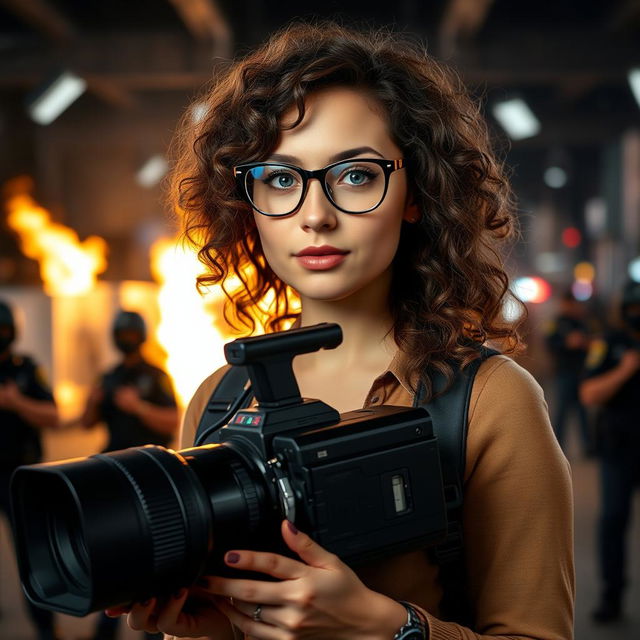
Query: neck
<point x="131" y="359"/>
<point x="367" y="327"/>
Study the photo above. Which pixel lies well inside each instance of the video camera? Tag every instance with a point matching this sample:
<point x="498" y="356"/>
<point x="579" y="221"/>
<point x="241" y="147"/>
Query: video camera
<point x="120" y="527"/>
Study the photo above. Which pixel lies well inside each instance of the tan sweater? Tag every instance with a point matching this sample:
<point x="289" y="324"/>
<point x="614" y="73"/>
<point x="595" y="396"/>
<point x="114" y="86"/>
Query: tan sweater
<point x="518" y="511"/>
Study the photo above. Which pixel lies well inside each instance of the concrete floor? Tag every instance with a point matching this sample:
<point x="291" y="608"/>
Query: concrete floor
<point x="14" y="624"/>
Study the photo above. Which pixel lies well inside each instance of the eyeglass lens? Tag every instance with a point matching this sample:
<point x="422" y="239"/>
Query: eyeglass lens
<point x="355" y="186"/>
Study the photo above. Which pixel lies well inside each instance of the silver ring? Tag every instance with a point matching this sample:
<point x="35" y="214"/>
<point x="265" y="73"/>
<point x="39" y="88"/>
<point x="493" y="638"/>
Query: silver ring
<point x="257" y="612"/>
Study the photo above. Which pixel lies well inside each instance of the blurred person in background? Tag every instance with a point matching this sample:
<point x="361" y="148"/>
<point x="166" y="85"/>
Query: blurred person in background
<point x="26" y="408"/>
<point x="567" y="339"/>
<point x="136" y="402"/>
<point x="612" y="383"/>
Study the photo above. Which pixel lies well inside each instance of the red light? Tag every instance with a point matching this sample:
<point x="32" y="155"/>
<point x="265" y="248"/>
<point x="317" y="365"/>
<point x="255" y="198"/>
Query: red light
<point x="571" y="237"/>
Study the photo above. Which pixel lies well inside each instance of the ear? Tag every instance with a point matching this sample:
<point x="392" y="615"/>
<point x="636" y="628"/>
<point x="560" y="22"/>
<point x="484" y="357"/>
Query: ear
<point x="411" y="213"/>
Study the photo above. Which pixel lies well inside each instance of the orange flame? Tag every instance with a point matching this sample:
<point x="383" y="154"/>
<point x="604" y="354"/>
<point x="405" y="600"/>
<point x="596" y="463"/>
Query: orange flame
<point x="187" y="330"/>
<point x="68" y="267"/>
<point x="192" y="328"/>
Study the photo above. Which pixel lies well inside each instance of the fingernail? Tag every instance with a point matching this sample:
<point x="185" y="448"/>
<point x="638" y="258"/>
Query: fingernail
<point x="233" y="557"/>
<point x="292" y="528"/>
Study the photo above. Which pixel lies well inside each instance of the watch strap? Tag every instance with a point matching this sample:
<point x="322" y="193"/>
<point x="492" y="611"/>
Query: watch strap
<point x="415" y="628"/>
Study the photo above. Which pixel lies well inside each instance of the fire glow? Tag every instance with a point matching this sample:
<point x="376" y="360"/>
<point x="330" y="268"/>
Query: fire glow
<point x="68" y="267"/>
<point x="188" y="327"/>
<point x="192" y="328"/>
<point x="187" y="330"/>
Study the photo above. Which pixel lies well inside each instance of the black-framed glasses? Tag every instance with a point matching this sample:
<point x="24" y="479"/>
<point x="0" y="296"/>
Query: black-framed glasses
<point x="352" y="186"/>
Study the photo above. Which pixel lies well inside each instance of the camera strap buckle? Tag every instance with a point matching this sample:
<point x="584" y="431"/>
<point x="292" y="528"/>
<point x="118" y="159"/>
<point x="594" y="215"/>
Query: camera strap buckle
<point x="450" y="549"/>
<point x="220" y="404"/>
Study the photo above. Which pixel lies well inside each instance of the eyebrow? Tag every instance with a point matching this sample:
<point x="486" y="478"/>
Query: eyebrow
<point x="342" y="155"/>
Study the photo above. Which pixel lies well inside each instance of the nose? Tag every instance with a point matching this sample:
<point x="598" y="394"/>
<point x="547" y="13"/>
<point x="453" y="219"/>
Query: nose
<point x="316" y="213"/>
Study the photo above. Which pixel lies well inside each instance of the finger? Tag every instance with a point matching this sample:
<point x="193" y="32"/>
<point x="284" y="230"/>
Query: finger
<point x="271" y="564"/>
<point x="307" y="549"/>
<point x="253" y="591"/>
<point x="115" y="612"/>
<point x="264" y="614"/>
<point x="249" y="626"/>
<point x="142" y="616"/>
<point x="171" y="613"/>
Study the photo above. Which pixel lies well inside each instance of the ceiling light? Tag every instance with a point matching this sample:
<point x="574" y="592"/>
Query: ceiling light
<point x="555" y="177"/>
<point x="634" y="82"/>
<point x="56" y="96"/>
<point x="634" y="269"/>
<point x="516" y="118"/>
<point x="152" y="171"/>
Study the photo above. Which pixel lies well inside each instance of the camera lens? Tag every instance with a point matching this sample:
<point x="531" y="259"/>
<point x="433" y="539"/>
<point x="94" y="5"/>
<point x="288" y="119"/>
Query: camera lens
<point x="68" y="549"/>
<point x="121" y="527"/>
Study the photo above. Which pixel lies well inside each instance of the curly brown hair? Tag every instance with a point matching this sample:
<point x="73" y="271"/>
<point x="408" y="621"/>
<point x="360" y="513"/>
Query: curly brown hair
<point x="449" y="283"/>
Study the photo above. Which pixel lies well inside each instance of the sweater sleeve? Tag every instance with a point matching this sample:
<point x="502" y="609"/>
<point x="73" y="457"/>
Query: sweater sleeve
<point x="518" y="514"/>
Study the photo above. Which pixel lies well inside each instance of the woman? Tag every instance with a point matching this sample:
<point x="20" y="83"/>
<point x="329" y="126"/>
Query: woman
<point x="351" y="171"/>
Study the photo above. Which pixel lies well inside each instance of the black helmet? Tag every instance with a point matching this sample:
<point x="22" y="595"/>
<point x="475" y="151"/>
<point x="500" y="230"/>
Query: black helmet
<point x="6" y="315"/>
<point x="7" y="326"/>
<point x="130" y="320"/>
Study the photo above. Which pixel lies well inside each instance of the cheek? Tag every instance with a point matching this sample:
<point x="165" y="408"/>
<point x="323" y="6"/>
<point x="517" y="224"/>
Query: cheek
<point x="382" y="239"/>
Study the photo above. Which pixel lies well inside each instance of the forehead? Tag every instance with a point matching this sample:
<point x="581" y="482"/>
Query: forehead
<point x="335" y="119"/>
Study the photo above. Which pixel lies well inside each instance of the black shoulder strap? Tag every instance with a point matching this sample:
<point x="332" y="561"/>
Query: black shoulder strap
<point x="231" y="394"/>
<point x="449" y="414"/>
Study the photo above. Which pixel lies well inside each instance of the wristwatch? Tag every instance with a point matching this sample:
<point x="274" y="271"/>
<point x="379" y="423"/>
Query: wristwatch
<point x="414" y="628"/>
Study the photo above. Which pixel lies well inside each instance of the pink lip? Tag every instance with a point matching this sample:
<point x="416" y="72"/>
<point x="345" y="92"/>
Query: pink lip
<point x="324" y="250"/>
<point x="320" y="258"/>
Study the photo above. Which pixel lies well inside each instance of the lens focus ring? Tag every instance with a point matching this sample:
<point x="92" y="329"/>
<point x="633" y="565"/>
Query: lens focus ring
<point x="162" y="511"/>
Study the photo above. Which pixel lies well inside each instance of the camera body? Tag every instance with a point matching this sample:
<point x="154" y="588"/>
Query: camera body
<point x="365" y="486"/>
<point x="119" y="527"/>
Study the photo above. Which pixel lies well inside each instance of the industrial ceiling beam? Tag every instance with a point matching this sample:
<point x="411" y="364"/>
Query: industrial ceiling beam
<point x="42" y="17"/>
<point x="141" y="61"/>
<point x="206" y="23"/>
<point x="169" y="61"/>
<point x="461" y="20"/>
<point x="527" y="57"/>
<point x="110" y="91"/>
<point x="625" y="16"/>
<point x="47" y="20"/>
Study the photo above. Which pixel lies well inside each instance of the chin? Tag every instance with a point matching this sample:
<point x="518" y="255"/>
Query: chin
<point x="326" y="293"/>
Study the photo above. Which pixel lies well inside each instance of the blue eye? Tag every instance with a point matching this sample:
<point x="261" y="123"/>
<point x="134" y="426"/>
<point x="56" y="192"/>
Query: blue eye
<point x="282" y="181"/>
<point x="356" y="177"/>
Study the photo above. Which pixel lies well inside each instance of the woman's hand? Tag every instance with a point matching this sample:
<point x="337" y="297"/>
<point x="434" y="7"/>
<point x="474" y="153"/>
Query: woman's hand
<point x="189" y="613"/>
<point x="317" y="598"/>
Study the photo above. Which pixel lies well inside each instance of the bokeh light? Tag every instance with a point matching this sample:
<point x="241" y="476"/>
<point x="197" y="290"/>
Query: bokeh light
<point x="571" y="237"/>
<point x="584" y="271"/>
<point x="582" y="290"/>
<point x="532" y="289"/>
<point x="634" y="269"/>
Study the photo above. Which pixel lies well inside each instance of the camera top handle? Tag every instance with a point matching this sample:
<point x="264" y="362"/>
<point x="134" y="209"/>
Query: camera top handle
<point x="268" y="360"/>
